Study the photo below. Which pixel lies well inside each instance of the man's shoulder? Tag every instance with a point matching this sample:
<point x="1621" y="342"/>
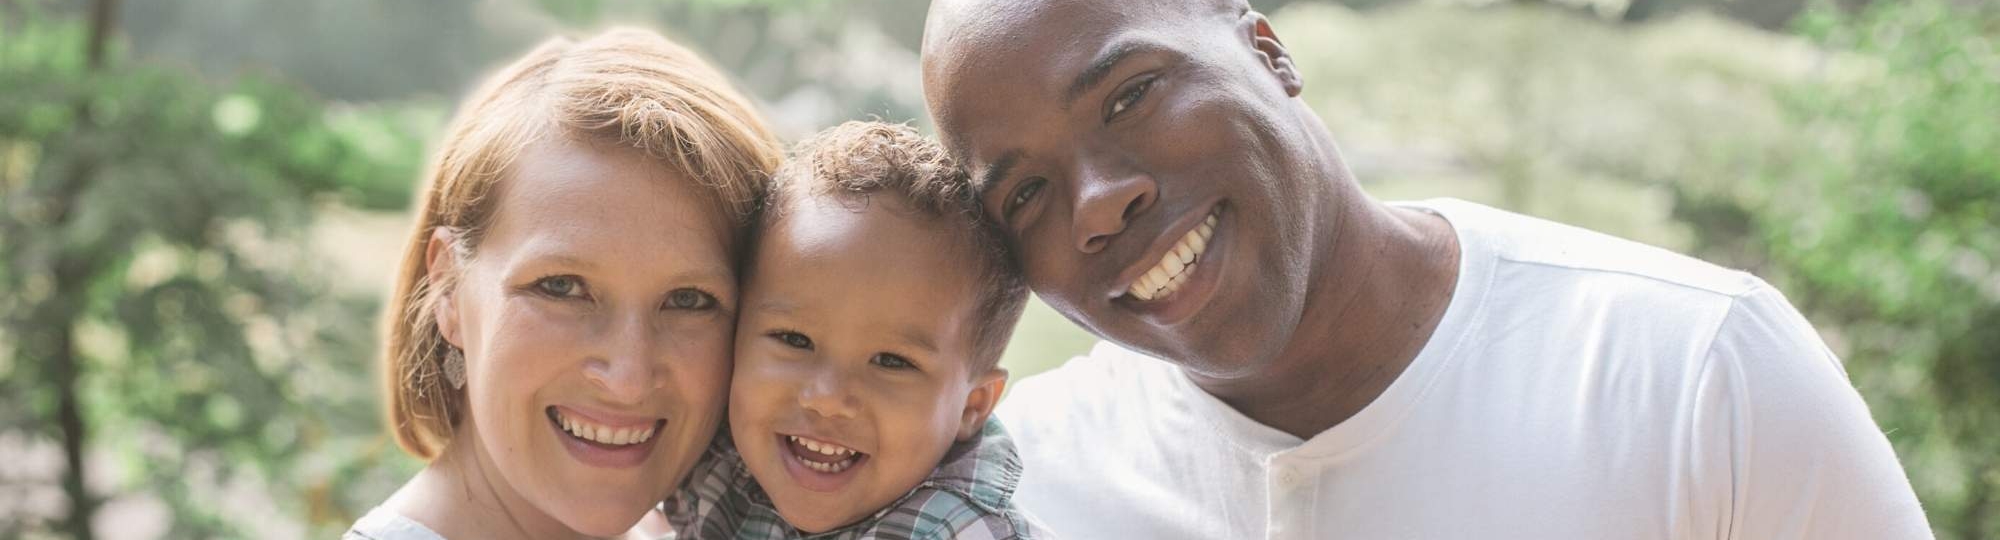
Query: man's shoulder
<point x="1102" y="386"/>
<point x="1525" y="246"/>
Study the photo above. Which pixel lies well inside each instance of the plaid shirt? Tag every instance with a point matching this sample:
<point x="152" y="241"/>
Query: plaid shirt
<point x="968" y="497"/>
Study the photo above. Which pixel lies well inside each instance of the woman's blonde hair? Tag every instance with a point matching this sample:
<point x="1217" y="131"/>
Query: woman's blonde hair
<point x="629" y="88"/>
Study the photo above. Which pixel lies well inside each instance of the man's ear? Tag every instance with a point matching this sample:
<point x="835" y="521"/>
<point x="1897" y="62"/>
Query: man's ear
<point x="980" y="401"/>
<point x="440" y="265"/>
<point x="1272" y="51"/>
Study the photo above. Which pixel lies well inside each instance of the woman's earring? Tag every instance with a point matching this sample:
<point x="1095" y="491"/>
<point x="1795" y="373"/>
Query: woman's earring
<point x="454" y="367"/>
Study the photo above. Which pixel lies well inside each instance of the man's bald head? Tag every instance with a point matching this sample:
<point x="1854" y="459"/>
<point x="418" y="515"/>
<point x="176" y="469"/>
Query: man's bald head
<point x="967" y="37"/>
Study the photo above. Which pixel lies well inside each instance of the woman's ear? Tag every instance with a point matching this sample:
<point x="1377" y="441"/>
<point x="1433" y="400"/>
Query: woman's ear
<point x="980" y="402"/>
<point x="440" y="264"/>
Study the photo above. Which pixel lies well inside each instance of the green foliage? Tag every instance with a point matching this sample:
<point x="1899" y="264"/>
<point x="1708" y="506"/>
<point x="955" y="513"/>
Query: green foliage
<point x="1879" y="220"/>
<point x="151" y="227"/>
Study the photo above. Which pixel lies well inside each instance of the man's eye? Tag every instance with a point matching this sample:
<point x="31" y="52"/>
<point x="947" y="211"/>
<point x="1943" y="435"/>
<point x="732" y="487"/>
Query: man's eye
<point x="690" y="298"/>
<point x="560" y="286"/>
<point x="1023" y="195"/>
<point x="793" y="339"/>
<point x="891" y="361"/>
<point x="1130" y="97"/>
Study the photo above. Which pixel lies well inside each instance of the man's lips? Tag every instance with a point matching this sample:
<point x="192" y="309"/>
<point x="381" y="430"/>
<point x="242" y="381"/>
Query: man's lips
<point x="1170" y="261"/>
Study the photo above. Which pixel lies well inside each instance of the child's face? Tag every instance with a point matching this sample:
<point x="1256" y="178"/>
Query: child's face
<point x="855" y="338"/>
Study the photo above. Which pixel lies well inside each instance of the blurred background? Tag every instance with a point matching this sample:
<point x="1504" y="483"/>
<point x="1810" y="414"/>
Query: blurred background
<point x="201" y="202"/>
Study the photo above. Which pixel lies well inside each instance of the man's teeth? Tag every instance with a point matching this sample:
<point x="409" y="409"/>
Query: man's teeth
<point x="603" y="434"/>
<point x="844" y="454"/>
<point x="1176" y="266"/>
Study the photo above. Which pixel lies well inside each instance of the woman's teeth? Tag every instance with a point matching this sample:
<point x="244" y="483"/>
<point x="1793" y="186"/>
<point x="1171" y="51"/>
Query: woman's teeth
<point x="603" y="434"/>
<point x="1176" y="266"/>
<point x="844" y="455"/>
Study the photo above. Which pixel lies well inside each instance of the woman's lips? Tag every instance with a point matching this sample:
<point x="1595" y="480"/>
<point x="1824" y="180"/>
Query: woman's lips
<point x="618" y="444"/>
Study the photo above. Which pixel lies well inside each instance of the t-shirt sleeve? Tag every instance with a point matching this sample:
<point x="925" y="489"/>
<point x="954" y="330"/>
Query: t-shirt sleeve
<point x="1782" y="444"/>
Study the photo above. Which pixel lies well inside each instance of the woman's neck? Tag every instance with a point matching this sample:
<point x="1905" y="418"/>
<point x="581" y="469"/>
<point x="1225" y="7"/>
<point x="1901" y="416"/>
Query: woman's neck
<point x="462" y="495"/>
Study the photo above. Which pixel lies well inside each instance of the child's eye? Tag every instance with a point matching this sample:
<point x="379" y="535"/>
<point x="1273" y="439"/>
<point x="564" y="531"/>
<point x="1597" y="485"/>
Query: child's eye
<point x="793" y="339"/>
<point x="560" y="286"/>
<point x="689" y="298"/>
<point x="891" y="361"/>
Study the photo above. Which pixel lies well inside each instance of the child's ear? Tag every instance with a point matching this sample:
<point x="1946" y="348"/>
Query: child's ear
<point x="980" y="402"/>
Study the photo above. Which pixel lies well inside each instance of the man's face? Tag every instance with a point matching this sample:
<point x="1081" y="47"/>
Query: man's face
<point x="1150" y="166"/>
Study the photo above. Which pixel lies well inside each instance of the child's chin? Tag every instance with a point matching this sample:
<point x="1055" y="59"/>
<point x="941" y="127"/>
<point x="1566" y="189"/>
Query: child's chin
<point x="820" y="518"/>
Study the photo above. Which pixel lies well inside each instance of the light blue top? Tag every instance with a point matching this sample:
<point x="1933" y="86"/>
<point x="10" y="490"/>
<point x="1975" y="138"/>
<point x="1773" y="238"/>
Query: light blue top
<point x="385" y="524"/>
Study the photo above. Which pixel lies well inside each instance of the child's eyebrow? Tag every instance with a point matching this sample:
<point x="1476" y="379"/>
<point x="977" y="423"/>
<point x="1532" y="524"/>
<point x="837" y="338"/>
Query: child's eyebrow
<point x="780" y="307"/>
<point x="918" y="338"/>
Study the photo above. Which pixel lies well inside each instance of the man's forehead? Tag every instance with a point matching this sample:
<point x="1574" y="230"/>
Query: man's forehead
<point x="992" y="63"/>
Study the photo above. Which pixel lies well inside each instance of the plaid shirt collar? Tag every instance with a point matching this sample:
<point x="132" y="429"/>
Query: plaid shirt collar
<point x="722" y="499"/>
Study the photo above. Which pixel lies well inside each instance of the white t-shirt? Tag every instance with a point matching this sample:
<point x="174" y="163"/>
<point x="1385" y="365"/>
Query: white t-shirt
<point x="1578" y="386"/>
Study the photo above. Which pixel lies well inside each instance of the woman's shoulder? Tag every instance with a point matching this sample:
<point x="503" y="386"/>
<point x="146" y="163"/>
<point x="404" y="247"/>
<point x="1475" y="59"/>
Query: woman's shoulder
<point x="384" y="524"/>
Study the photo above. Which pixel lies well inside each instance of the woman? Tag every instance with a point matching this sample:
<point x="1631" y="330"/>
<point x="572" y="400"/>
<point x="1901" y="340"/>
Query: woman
<point x="559" y="339"/>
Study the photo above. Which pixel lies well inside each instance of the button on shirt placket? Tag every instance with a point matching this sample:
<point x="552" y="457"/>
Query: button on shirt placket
<point x="1291" y="492"/>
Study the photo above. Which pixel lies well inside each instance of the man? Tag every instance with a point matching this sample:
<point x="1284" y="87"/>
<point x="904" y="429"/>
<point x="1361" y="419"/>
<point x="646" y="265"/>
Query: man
<point x="1339" y="367"/>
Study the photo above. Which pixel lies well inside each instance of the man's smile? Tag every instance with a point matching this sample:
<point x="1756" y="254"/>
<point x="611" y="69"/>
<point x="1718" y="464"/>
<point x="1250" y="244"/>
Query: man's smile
<point x="1172" y="279"/>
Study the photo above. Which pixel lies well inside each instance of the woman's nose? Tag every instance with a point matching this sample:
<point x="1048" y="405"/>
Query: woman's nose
<point x="627" y="366"/>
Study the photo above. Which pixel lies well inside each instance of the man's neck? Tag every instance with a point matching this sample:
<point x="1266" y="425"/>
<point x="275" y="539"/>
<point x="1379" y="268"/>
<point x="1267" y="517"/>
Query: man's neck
<point x="1376" y="296"/>
<point x="461" y="495"/>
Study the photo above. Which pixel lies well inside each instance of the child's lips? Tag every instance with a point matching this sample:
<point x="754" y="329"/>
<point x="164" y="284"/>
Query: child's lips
<point x="817" y="464"/>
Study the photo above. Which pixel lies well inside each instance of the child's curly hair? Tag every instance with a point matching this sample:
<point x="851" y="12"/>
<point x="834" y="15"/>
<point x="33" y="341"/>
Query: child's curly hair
<point x="857" y="160"/>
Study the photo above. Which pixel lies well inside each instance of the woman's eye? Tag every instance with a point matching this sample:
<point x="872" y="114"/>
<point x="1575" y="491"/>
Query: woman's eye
<point x="794" y="340"/>
<point x="891" y="361"/>
<point x="690" y="299"/>
<point x="560" y="286"/>
<point x="1023" y="195"/>
<point x="1129" y="98"/>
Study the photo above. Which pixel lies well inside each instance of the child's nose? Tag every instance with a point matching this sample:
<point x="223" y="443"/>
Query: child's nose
<point x="826" y="393"/>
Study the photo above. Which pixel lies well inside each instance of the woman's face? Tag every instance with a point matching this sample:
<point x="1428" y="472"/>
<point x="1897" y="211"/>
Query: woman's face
<point x="596" y="318"/>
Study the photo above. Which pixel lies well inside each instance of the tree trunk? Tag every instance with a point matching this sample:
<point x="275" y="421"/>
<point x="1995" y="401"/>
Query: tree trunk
<point x="71" y="275"/>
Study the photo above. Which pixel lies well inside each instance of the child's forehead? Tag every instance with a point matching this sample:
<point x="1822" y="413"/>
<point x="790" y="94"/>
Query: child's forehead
<point x="903" y="265"/>
<point x="871" y="228"/>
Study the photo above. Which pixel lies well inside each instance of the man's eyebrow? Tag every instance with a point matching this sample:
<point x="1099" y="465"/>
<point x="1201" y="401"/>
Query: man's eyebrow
<point x="1100" y="68"/>
<point x="997" y="171"/>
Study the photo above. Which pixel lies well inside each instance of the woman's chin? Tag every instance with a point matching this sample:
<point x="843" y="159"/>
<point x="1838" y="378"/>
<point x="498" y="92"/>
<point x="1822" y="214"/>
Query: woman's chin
<point x="601" y="522"/>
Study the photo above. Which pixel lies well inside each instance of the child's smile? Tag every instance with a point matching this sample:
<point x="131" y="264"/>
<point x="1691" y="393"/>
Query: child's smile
<point x="820" y="465"/>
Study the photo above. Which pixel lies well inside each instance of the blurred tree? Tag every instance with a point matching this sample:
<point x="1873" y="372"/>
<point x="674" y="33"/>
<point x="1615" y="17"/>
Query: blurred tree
<point x="1880" y="222"/>
<point x="162" y="311"/>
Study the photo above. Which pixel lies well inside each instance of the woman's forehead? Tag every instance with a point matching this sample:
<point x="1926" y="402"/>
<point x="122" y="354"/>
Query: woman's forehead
<point x="590" y="203"/>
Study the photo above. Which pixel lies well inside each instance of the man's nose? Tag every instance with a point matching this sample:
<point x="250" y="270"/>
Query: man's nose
<point x="1107" y="200"/>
